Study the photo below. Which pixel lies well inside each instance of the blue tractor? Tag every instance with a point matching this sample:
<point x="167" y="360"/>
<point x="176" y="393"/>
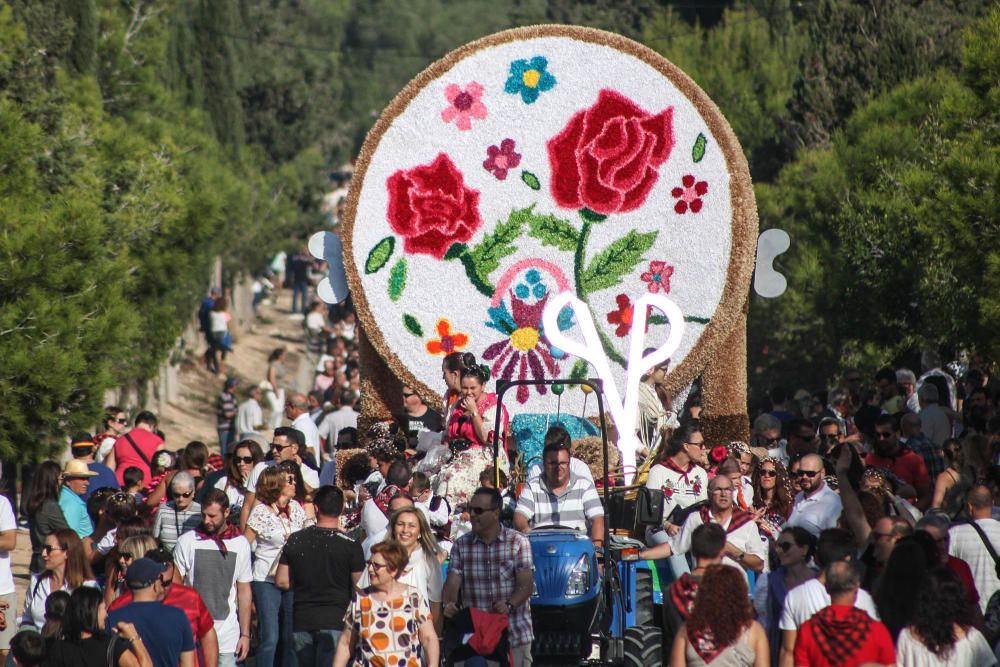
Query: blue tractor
<point x="589" y="607"/>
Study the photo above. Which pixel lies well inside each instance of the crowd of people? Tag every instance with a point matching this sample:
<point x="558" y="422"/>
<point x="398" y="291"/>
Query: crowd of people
<point x="855" y="527"/>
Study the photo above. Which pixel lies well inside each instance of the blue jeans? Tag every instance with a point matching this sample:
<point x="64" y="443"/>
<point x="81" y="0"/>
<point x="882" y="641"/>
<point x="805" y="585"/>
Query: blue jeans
<point x="225" y="437"/>
<point x="316" y="648"/>
<point x="274" y="615"/>
<point x="227" y="660"/>
<point x="300" y="292"/>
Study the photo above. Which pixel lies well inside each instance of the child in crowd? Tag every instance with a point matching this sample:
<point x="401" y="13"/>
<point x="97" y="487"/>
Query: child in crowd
<point x="134" y="479"/>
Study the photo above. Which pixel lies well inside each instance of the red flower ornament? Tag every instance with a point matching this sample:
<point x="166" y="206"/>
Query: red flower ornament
<point x="606" y="157"/>
<point x="658" y="277"/>
<point x="689" y="195"/>
<point x="622" y="317"/>
<point x="500" y="159"/>
<point x="431" y="208"/>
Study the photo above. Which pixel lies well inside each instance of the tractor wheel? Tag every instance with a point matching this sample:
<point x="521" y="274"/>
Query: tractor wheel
<point x="643" y="597"/>
<point x="643" y="647"/>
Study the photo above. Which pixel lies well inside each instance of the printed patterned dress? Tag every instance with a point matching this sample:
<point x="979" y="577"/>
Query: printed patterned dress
<point x="387" y="631"/>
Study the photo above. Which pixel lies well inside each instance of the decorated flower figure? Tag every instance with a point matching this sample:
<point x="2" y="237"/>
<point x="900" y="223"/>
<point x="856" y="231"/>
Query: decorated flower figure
<point x="431" y="208"/>
<point x="529" y="78"/>
<point x="447" y="341"/>
<point x="500" y="159"/>
<point x="689" y="195"/>
<point x="622" y="318"/>
<point x="463" y="105"/>
<point x="658" y="277"/>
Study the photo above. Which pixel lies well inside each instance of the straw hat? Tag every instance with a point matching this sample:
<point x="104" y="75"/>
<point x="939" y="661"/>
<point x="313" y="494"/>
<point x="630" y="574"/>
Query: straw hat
<point x="76" y="468"/>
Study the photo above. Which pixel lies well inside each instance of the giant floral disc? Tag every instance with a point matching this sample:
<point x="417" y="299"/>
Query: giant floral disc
<point x="536" y="161"/>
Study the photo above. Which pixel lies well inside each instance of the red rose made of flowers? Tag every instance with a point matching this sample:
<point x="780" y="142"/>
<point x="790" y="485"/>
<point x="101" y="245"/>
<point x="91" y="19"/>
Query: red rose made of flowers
<point x="606" y="157"/>
<point x="431" y="208"/>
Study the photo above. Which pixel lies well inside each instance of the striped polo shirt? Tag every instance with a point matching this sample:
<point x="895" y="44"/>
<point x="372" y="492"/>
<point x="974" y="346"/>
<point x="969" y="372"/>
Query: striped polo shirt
<point x="574" y="507"/>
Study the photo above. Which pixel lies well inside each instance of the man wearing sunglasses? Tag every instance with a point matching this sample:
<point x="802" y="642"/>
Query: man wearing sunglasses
<point x="82" y="447"/>
<point x="889" y="454"/>
<point x="817" y="506"/>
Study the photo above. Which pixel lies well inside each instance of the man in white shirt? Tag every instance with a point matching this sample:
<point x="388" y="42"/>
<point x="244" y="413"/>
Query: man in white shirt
<point x="343" y="417"/>
<point x="249" y="415"/>
<point x="297" y="410"/>
<point x="934" y="422"/>
<point x="803" y="601"/>
<point x="8" y="595"/>
<point x="967" y="544"/>
<point x="214" y="559"/>
<point x="744" y="549"/>
<point x="817" y="506"/>
<point x="285" y="446"/>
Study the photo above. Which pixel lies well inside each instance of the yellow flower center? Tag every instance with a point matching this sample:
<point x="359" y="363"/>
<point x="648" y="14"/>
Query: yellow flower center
<point x="531" y="78"/>
<point x="524" y="339"/>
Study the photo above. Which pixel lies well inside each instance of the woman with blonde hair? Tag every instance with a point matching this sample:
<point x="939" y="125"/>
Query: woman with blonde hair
<point x="129" y="550"/>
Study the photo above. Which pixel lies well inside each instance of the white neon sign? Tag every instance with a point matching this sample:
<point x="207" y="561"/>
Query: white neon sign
<point x="623" y="409"/>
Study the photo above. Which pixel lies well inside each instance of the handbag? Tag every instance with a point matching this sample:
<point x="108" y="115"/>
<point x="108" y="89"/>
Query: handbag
<point x="111" y="651"/>
<point x="649" y="506"/>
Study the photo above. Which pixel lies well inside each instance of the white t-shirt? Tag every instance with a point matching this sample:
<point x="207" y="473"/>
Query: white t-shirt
<point x="7" y="522"/>
<point x="315" y="322"/>
<point x="249" y="416"/>
<point x="234" y="494"/>
<point x="219" y="321"/>
<point x="680" y="489"/>
<point x="35" y="597"/>
<point x="107" y="543"/>
<point x="333" y="423"/>
<point x="272" y="533"/>
<point x="818" y="512"/>
<point x="969" y="651"/>
<point x="214" y="575"/>
<point x="308" y="427"/>
<point x="967" y="545"/>
<point x="374" y="523"/>
<point x="107" y="444"/>
<point x="806" y="599"/>
<point x="309" y="476"/>
<point x="746" y="538"/>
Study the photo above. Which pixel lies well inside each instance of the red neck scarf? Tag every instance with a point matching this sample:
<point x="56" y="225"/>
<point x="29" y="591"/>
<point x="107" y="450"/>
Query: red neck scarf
<point x="682" y="593"/>
<point x="670" y="465"/>
<point x="383" y="498"/>
<point x="229" y="532"/>
<point x="839" y="632"/>
<point x="738" y="520"/>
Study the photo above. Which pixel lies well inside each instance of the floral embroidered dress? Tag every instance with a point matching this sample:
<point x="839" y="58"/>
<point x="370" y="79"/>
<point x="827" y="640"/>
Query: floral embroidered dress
<point x="459" y="477"/>
<point x="387" y="631"/>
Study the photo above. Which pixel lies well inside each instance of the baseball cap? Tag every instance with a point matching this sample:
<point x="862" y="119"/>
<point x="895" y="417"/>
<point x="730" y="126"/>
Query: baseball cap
<point x="81" y="438"/>
<point x="143" y="572"/>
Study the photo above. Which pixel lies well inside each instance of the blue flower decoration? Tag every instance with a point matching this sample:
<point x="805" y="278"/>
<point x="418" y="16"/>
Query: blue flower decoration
<point x="529" y="78"/>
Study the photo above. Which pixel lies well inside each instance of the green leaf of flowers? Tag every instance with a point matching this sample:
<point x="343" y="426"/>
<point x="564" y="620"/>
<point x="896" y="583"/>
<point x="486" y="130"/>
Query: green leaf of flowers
<point x="411" y="324"/>
<point x="617" y="260"/>
<point x="380" y="254"/>
<point x="531" y="180"/>
<point x="397" y="280"/>
<point x="579" y="371"/>
<point x="698" y="150"/>
<point x="552" y="231"/>
<point x="657" y="319"/>
<point x="484" y="258"/>
<point x="455" y="251"/>
<point x="592" y="216"/>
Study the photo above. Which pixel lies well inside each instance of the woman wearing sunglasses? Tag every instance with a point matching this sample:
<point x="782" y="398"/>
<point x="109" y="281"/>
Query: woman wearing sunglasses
<point x="114" y="425"/>
<point x="129" y="549"/>
<point x="66" y="569"/>
<point x="274" y="517"/>
<point x="794" y="547"/>
<point x="388" y="622"/>
<point x="178" y="515"/>
<point x="239" y="464"/>
<point x="772" y="496"/>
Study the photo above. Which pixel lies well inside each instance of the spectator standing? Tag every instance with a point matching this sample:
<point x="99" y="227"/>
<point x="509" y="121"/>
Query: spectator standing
<point x="8" y="594"/>
<point x="345" y="416"/>
<point x="795" y="548"/>
<point x="285" y="446"/>
<point x="246" y="455"/>
<point x="165" y="630"/>
<point x="840" y="634"/>
<point x="977" y="541"/>
<point x="272" y="520"/>
<point x="87" y="644"/>
<point x="82" y="449"/>
<point x="66" y="568"/>
<point x="115" y="423"/>
<point x="896" y="593"/>
<point x="936" y="525"/>
<point x="721" y="629"/>
<point x="773" y="498"/>
<point x="911" y="436"/>
<point x="492" y="568"/>
<point x="803" y="601"/>
<point x="178" y="515"/>
<point x="249" y="415"/>
<point x="298" y="273"/>
<point x="205" y="326"/>
<point x="214" y="559"/>
<point x="126" y="552"/>
<point x="320" y="565"/>
<point x="220" y="337"/>
<point x="817" y="506"/>
<point x="136" y="447"/>
<point x="225" y="415"/>
<point x="297" y="411"/>
<point x="376" y="510"/>
<point x="274" y="386"/>
<point x="75" y="482"/>
<point x="934" y="421"/>
<point x="408" y="624"/>
<point x="44" y="514"/>
<point x="941" y="632"/>
<point x="188" y="601"/>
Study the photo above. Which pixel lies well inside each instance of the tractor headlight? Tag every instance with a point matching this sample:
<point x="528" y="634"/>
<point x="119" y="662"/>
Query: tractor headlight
<point x="579" y="578"/>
